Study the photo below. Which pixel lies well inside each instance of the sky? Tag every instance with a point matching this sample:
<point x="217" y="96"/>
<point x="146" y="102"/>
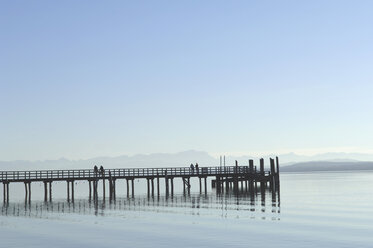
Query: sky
<point x="81" y="79"/>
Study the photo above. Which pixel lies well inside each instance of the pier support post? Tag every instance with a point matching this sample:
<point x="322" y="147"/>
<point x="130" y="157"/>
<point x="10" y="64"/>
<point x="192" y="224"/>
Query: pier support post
<point x="90" y="189"/>
<point x="72" y="191"/>
<point x="133" y="188"/>
<point x="205" y="185"/>
<point x="4" y="192"/>
<point x="189" y="185"/>
<point x="152" y="186"/>
<point x="158" y="184"/>
<point x="7" y="192"/>
<point x="29" y="192"/>
<point x="172" y="185"/>
<point x="148" y="186"/>
<point x="50" y="191"/>
<point x="166" y="184"/>
<point x="128" y="187"/>
<point x="45" y="191"/>
<point x="68" y="191"/>
<point x="103" y="187"/>
<point x="114" y="189"/>
<point x="200" y="185"/>
<point x="26" y="192"/>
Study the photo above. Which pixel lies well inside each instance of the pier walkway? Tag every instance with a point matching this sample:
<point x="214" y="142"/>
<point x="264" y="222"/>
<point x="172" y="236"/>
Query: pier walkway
<point x="223" y="177"/>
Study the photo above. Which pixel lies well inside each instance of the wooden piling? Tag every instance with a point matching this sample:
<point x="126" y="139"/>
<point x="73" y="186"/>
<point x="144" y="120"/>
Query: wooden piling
<point x="45" y="191"/>
<point x="158" y="192"/>
<point x="272" y="175"/>
<point x="133" y="188"/>
<point x="68" y="191"/>
<point x="114" y="189"/>
<point x="26" y="193"/>
<point x="148" y="185"/>
<point x="200" y="185"/>
<point x="7" y="192"/>
<point x="205" y="185"/>
<point x="277" y="184"/>
<point x="172" y="185"/>
<point x="152" y="186"/>
<point x="103" y="187"/>
<point x="262" y="182"/>
<point x="50" y="191"/>
<point x="4" y="192"/>
<point x="90" y="189"/>
<point x="29" y="192"/>
<point x="128" y="187"/>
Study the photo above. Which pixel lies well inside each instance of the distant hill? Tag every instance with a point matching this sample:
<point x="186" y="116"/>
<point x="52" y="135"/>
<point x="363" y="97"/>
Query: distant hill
<point x="327" y="166"/>
<point x="288" y="162"/>
<point x="152" y="160"/>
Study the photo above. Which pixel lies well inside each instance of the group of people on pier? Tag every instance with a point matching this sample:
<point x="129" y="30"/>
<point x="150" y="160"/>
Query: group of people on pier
<point x="192" y="167"/>
<point x="96" y="170"/>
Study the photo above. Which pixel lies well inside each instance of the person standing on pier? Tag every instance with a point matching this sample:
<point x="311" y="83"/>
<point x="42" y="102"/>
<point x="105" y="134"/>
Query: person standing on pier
<point x="192" y="168"/>
<point x="197" y="168"/>
<point x="102" y="171"/>
<point x="95" y="170"/>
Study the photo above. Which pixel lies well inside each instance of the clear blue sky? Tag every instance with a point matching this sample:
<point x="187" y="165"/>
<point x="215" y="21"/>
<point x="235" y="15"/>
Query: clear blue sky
<point x="80" y="79"/>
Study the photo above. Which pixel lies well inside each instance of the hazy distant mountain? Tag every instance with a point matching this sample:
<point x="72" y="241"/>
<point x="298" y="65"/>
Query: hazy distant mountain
<point x="289" y="161"/>
<point x="152" y="160"/>
<point x="327" y="166"/>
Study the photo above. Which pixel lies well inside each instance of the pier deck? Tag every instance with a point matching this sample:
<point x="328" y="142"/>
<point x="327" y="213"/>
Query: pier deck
<point x="224" y="177"/>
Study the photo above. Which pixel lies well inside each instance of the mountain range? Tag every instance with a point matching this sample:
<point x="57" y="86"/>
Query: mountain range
<point x="289" y="162"/>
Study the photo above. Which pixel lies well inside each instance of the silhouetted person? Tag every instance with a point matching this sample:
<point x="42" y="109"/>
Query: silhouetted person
<point x="192" y="168"/>
<point x="95" y="170"/>
<point x="102" y="170"/>
<point x="197" y="169"/>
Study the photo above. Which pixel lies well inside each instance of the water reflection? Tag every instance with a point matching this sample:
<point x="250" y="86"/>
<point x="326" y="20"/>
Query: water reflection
<point x="263" y="204"/>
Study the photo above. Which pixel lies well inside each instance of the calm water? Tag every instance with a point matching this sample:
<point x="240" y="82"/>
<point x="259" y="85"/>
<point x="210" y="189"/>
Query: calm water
<point x="313" y="210"/>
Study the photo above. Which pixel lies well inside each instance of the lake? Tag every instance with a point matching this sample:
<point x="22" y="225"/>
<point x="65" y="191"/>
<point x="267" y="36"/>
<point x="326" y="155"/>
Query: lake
<point x="313" y="210"/>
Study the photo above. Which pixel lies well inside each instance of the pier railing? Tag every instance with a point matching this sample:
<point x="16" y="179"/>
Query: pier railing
<point x="84" y="174"/>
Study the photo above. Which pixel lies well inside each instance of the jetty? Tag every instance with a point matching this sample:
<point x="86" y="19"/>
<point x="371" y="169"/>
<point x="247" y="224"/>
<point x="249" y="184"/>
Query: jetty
<point x="224" y="178"/>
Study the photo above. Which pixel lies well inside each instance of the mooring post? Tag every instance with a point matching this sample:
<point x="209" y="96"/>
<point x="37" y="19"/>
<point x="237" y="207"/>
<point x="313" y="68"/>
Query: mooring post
<point x="272" y="176"/>
<point x="235" y="178"/>
<point x="262" y="181"/>
<point x="277" y="174"/>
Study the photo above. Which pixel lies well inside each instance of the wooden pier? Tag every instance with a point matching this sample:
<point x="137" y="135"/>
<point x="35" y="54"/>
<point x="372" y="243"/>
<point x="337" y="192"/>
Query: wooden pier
<point x="225" y="178"/>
